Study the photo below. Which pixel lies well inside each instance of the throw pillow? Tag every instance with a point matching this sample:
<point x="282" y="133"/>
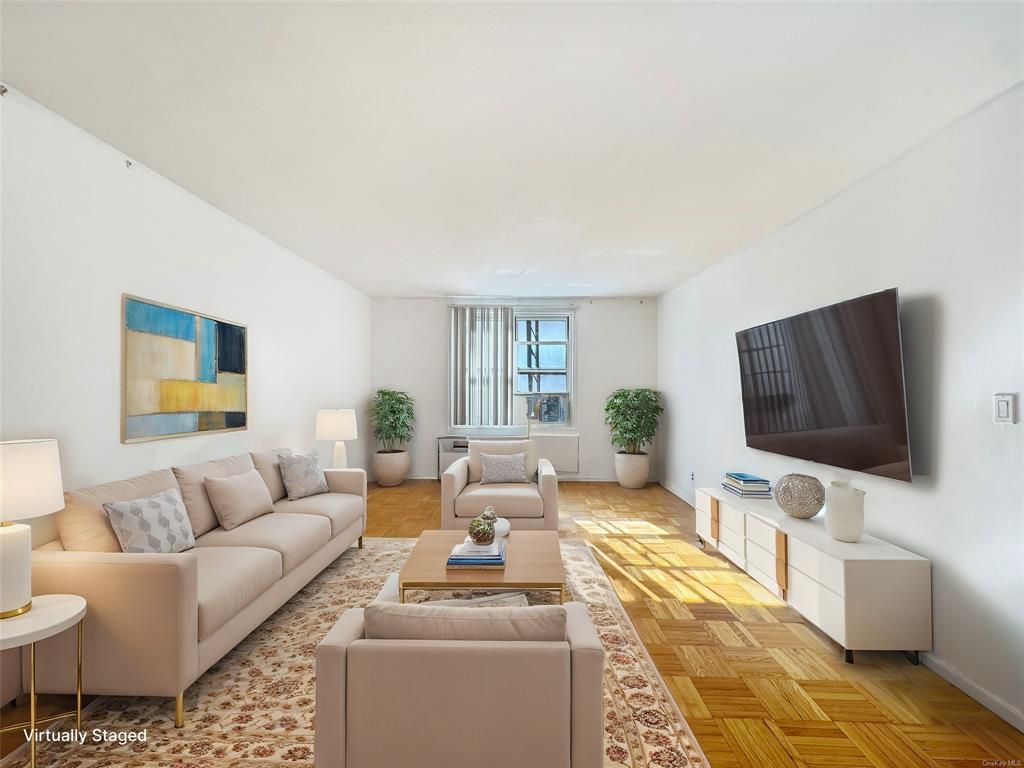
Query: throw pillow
<point x="237" y="499"/>
<point x="157" y="523"/>
<point x="302" y="476"/>
<point x="502" y="468"/>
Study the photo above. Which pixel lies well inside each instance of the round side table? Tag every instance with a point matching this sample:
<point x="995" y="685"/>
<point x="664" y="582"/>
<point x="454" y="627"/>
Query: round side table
<point x="50" y="615"/>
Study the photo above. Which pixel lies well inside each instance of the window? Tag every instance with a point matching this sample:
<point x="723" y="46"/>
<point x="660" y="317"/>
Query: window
<point x="543" y="371"/>
<point x="507" y="366"/>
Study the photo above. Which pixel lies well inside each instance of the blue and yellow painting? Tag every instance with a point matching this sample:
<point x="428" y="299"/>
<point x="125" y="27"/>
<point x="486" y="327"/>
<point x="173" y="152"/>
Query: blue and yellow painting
<point x="184" y="373"/>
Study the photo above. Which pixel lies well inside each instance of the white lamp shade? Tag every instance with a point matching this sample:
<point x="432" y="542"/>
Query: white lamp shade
<point x="30" y="481"/>
<point x="336" y="424"/>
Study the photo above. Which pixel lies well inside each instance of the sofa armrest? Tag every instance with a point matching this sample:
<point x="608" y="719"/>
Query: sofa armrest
<point x="547" y="484"/>
<point x="347" y="481"/>
<point x="453" y="481"/>
<point x="587" y="655"/>
<point x="331" y="669"/>
<point x="140" y="635"/>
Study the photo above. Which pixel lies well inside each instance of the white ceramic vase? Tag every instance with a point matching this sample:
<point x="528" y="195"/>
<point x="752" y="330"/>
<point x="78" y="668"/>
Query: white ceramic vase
<point x="632" y="469"/>
<point x="844" y="511"/>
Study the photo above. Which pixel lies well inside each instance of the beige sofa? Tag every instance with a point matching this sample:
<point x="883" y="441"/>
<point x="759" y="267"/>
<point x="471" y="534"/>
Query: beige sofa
<point x="521" y="687"/>
<point x="527" y="506"/>
<point x="156" y="622"/>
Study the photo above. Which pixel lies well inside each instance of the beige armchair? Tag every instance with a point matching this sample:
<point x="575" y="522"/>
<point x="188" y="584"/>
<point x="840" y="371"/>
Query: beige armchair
<point x="526" y="505"/>
<point x="495" y="687"/>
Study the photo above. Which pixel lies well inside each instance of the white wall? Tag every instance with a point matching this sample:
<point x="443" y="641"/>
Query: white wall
<point x="410" y="353"/>
<point x="616" y="346"/>
<point x="944" y="224"/>
<point x="80" y="228"/>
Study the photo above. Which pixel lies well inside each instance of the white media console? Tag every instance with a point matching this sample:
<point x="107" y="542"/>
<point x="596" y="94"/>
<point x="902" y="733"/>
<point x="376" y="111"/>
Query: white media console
<point x="868" y="596"/>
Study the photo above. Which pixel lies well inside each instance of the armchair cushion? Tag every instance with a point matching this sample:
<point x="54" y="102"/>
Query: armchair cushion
<point x="503" y="468"/>
<point x="396" y="621"/>
<point x="498" y="448"/>
<point x="508" y="499"/>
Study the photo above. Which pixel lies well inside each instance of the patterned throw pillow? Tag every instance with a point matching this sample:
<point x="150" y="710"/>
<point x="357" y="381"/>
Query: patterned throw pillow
<point x="302" y="476"/>
<point x="503" y="468"/>
<point x="157" y="523"/>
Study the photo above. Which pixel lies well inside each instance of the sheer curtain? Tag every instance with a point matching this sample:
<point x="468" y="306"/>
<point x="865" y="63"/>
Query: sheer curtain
<point x="480" y="366"/>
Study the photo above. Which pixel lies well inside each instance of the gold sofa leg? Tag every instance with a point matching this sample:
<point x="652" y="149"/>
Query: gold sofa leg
<point x="360" y="542"/>
<point x="179" y="710"/>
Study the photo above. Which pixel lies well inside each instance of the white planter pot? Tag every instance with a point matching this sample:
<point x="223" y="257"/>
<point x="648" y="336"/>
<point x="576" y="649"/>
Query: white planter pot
<point x="632" y="469"/>
<point x="844" y="511"/>
<point x="390" y="468"/>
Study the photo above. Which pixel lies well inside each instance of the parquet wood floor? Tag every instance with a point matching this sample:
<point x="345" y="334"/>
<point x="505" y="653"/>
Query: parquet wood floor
<point x="761" y="687"/>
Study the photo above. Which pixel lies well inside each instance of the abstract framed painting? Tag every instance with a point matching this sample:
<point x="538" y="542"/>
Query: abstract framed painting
<point x="182" y="372"/>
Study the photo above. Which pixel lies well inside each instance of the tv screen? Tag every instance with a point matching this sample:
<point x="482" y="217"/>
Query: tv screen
<point x="827" y="386"/>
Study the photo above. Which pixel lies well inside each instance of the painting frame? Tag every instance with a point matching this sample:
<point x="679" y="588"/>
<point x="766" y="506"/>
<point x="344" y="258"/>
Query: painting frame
<point x="125" y="433"/>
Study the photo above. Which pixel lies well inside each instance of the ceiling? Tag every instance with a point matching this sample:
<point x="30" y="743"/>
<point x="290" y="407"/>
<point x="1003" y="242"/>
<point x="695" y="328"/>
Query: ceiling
<point x="520" y="149"/>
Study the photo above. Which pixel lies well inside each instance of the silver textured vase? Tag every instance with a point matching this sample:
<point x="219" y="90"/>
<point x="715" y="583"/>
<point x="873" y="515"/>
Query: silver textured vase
<point x="844" y="512"/>
<point x="800" y="496"/>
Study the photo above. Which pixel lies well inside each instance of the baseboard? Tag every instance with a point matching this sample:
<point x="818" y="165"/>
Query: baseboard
<point x="1004" y="709"/>
<point x="677" y="491"/>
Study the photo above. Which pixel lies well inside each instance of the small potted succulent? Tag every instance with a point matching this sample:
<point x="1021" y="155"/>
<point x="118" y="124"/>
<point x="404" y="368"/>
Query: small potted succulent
<point x="633" y="416"/>
<point x="392" y="415"/>
<point x="481" y="531"/>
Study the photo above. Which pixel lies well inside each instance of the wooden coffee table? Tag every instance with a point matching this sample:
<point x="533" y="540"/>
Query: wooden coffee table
<point x="533" y="560"/>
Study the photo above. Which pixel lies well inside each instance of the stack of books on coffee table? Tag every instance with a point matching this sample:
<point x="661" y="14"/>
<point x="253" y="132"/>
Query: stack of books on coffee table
<point x="470" y="555"/>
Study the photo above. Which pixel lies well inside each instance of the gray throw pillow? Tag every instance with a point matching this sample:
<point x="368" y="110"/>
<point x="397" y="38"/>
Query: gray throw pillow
<point x="503" y="468"/>
<point x="302" y="476"/>
<point x="157" y="523"/>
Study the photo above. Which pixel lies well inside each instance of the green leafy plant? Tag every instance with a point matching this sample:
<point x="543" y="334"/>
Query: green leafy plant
<point x="632" y="416"/>
<point x="392" y="415"/>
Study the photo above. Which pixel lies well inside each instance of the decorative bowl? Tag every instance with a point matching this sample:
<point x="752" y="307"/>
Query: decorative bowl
<point x="800" y="496"/>
<point x="501" y="527"/>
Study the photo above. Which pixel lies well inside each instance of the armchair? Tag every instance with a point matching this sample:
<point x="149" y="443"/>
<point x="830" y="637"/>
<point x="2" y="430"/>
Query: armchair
<point x="543" y="669"/>
<point x="527" y="506"/>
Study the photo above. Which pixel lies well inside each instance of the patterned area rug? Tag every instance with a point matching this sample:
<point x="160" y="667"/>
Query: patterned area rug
<point x="256" y="706"/>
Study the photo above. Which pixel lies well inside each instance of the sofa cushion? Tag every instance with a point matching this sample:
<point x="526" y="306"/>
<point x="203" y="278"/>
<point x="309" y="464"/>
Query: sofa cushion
<point x="497" y="448"/>
<point x="508" y="500"/>
<point x="406" y="621"/>
<point x="296" y="537"/>
<point x="239" y="498"/>
<point x="157" y="523"/>
<point x="268" y="464"/>
<point x="342" y="509"/>
<point x="229" y="579"/>
<point x="302" y="476"/>
<point x="192" y="482"/>
<point x="83" y="524"/>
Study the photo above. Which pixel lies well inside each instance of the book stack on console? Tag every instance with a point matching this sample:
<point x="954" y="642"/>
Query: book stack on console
<point x="746" y="485"/>
<point x="470" y="555"/>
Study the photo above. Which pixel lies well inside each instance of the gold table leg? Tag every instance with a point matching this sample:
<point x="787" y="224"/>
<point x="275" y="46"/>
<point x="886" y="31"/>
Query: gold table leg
<point x="32" y="705"/>
<point x="78" y="686"/>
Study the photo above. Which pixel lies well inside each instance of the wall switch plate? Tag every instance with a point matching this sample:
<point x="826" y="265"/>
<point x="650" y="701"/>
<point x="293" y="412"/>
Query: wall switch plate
<point x="1004" y="408"/>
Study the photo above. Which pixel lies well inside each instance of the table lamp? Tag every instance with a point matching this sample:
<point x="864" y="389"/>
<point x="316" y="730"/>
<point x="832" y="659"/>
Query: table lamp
<point x="30" y="486"/>
<point x="337" y="424"/>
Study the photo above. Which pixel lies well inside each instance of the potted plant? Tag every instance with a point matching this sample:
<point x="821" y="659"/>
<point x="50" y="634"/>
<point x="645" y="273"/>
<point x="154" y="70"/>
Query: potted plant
<point x="632" y="416"/>
<point x="392" y="415"/>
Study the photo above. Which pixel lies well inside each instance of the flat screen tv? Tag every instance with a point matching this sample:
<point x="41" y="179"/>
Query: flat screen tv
<point x="827" y="386"/>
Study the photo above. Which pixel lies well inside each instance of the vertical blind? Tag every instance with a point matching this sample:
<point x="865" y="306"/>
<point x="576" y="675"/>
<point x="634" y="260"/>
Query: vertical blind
<point x="480" y="366"/>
